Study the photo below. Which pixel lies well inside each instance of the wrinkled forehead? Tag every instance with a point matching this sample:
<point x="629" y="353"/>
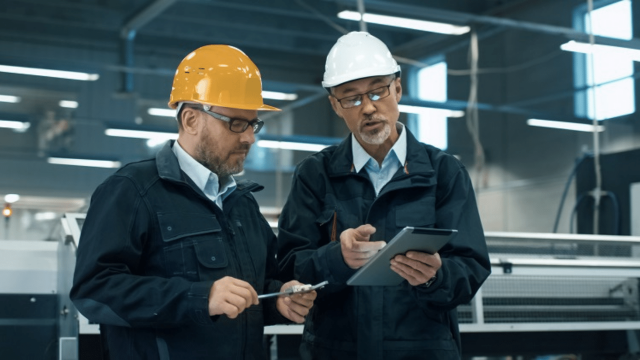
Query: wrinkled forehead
<point x="361" y="85"/>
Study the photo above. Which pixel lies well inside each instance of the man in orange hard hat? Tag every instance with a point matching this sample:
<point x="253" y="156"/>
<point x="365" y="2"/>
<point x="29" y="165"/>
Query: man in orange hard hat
<point x="174" y="251"/>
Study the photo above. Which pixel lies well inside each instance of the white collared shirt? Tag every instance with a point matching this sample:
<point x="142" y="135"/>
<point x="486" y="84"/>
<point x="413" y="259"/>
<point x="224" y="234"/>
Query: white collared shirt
<point x="395" y="159"/>
<point x="204" y="179"/>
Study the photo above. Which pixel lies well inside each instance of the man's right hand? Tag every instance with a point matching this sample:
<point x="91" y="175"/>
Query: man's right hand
<point x="356" y="247"/>
<point x="230" y="296"/>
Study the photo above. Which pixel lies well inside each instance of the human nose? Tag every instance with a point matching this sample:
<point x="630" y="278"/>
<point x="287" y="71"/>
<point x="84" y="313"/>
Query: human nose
<point x="367" y="105"/>
<point x="247" y="136"/>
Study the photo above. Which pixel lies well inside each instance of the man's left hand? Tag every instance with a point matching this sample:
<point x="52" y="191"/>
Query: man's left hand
<point x="416" y="267"/>
<point x="295" y="307"/>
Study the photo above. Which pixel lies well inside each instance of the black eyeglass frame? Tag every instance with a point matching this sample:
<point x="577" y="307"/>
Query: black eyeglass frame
<point x="256" y="123"/>
<point x="368" y="93"/>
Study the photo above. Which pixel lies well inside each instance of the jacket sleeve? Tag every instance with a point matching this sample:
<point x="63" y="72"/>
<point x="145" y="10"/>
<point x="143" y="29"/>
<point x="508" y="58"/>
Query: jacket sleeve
<point x="109" y="285"/>
<point x="465" y="261"/>
<point x="305" y="251"/>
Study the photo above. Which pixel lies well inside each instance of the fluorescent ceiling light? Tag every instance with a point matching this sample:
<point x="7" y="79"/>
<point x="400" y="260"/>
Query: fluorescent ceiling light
<point x="279" y="95"/>
<point x="9" y="98"/>
<point x="162" y="112"/>
<point x="141" y="134"/>
<point x="423" y="25"/>
<point x="585" y="48"/>
<point x="11" y="198"/>
<point x="84" y="162"/>
<point x="420" y="110"/>
<point x="16" y="125"/>
<point x="563" y="125"/>
<point x="68" y="104"/>
<point x="288" y="145"/>
<point x="45" y="215"/>
<point x="71" y="75"/>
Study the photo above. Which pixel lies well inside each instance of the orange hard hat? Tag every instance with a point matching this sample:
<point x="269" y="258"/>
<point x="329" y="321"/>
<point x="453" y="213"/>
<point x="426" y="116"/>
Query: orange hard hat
<point x="218" y="75"/>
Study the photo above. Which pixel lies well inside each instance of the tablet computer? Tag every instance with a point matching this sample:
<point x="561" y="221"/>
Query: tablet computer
<point x="377" y="271"/>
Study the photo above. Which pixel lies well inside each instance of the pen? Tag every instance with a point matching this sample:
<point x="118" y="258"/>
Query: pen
<point x="296" y="289"/>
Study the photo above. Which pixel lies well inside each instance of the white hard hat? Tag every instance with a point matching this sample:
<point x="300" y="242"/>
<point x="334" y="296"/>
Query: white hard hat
<point x="357" y="55"/>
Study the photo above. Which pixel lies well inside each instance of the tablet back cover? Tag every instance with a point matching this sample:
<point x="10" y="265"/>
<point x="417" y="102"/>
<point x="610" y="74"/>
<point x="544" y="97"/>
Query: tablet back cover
<point x="377" y="272"/>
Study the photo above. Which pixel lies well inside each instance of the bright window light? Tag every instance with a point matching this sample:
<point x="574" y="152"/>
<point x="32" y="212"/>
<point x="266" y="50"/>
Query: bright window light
<point x="16" y="125"/>
<point x="422" y="25"/>
<point x="430" y="125"/>
<point x="563" y="125"/>
<point x="286" y="145"/>
<point x="9" y="98"/>
<point x="607" y="64"/>
<point x="273" y="95"/>
<point x="11" y="198"/>
<point x="68" y="104"/>
<point x="162" y="112"/>
<point x="71" y="75"/>
<point x="84" y="162"/>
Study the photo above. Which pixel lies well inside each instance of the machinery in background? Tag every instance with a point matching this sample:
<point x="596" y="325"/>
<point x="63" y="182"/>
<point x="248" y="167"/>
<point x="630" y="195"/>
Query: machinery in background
<point x="547" y="294"/>
<point x="28" y="300"/>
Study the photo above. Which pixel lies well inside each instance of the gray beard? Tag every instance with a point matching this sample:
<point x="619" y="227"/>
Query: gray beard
<point x="376" y="137"/>
<point x="207" y="154"/>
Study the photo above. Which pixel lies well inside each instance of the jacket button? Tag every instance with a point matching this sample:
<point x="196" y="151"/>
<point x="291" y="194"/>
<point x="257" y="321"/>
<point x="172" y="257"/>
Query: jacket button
<point x="169" y="228"/>
<point x="213" y="258"/>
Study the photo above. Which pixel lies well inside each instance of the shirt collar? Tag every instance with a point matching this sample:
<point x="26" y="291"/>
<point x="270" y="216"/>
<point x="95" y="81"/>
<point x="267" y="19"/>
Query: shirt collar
<point x="399" y="149"/>
<point x="200" y="174"/>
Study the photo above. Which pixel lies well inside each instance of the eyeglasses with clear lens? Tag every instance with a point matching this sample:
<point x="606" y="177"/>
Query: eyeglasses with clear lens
<point x="373" y="95"/>
<point x="235" y="125"/>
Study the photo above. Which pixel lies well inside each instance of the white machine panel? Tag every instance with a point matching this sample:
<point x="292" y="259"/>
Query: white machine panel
<point x="28" y="267"/>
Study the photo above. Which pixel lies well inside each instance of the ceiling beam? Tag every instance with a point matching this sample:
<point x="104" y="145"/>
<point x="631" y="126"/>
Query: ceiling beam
<point x="460" y="18"/>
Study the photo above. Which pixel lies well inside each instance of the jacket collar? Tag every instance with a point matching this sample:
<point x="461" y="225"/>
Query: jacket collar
<point x="169" y="169"/>
<point x="417" y="160"/>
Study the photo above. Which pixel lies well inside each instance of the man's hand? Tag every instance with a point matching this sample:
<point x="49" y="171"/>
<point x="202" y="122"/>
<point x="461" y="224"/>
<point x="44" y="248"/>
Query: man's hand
<point x="231" y="296"/>
<point x="355" y="245"/>
<point x="416" y="267"/>
<point x="296" y="306"/>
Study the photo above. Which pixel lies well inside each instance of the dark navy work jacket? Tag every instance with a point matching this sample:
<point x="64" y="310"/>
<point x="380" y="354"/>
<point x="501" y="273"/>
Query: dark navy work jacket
<point x="151" y="247"/>
<point x="327" y="197"/>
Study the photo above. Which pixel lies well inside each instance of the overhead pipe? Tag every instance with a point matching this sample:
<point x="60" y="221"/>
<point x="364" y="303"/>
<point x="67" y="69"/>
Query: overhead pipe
<point x="128" y="35"/>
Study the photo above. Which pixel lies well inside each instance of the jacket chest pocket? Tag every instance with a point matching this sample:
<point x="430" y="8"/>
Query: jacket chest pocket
<point x="333" y="221"/>
<point x="193" y="244"/>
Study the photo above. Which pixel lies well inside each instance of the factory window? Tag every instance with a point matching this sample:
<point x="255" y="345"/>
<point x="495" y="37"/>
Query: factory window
<point x="612" y="75"/>
<point x="430" y="83"/>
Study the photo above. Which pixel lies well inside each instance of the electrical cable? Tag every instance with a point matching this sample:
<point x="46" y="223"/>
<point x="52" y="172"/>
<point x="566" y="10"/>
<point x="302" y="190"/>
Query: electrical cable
<point x="597" y="191"/>
<point x="616" y="211"/>
<point x="579" y="200"/>
<point x="472" y="118"/>
<point x="566" y="190"/>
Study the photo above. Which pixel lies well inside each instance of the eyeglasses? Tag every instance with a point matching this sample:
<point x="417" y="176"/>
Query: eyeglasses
<point x="236" y="125"/>
<point x="373" y="95"/>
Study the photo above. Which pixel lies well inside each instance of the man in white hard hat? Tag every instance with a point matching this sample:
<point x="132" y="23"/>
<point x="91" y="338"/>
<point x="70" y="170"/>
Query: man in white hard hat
<point x="174" y="252"/>
<point x="348" y="200"/>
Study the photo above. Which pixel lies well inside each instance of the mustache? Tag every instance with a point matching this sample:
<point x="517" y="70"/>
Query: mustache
<point x="372" y="117"/>
<point x="243" y="147"/>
